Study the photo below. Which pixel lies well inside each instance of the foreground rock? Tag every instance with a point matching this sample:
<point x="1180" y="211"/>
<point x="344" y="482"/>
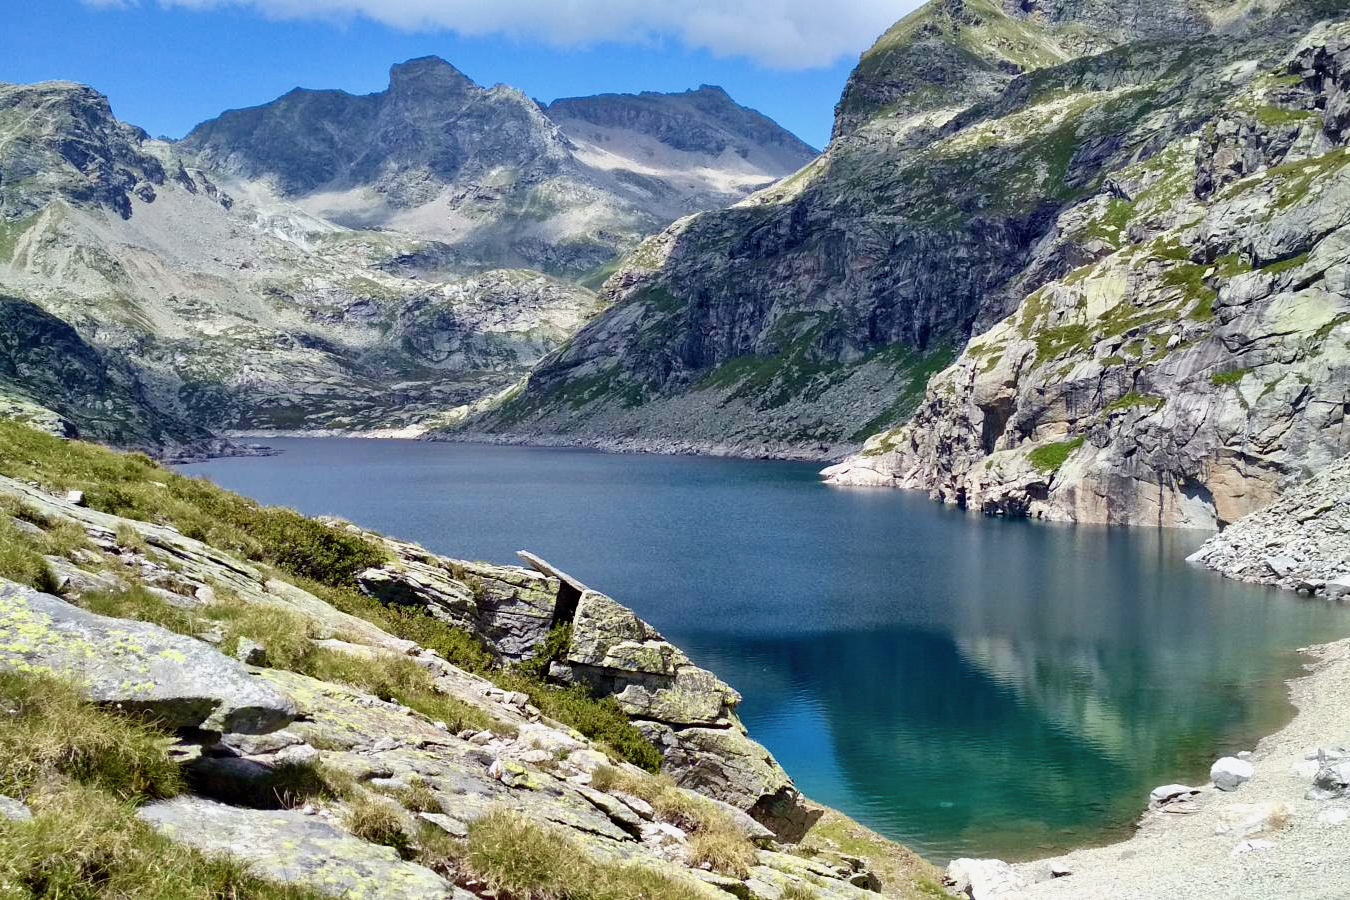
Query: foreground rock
<point x="1300" y="542"/>
<point x="687" y="712"/>
<point x="178" y="681"/>
<point x="293" y="848"/>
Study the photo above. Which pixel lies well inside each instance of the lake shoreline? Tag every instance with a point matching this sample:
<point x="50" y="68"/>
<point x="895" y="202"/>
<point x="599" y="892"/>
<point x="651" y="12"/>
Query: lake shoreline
<point x="1207" y="844"/>
<point x="989" y="652"/>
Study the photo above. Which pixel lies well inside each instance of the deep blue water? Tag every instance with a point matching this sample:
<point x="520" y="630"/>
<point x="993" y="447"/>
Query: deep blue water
<point x="970" y="686"/>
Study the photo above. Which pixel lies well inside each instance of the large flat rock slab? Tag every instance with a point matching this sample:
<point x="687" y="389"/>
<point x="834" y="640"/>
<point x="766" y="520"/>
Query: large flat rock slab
<point x="180" y="681"/>
<point x="293" y="848"/>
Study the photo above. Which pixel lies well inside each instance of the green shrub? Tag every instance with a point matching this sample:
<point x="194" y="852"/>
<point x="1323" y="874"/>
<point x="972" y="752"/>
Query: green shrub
<point x="48" y="730"/>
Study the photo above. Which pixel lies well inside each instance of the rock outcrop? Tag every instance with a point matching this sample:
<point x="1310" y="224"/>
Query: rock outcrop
<point x="1187" y="361"/>
<point x="1300" y="542"/>
<point x="175" y="680"/>
<point x="687" y="712"/>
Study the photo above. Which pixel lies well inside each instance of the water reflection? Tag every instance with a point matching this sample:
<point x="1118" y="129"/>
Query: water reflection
<point x="968" y="685"/>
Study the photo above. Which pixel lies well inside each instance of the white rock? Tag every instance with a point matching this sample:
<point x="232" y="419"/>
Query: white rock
<point x="1281" y="565"/>
<point x="75" y="498"/>
<point x="984" y="879"/>
<point x="1161" y="796"/>
<point x="1230" y="772"/>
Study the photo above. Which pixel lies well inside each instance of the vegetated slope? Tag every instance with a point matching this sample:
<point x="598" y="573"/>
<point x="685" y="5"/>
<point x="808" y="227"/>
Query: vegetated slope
<point x="1195" y="363"/>
<point x="811" y="315"/>
<point x="495" y="177"/>
<point x="327" y="712"/>
<point x="240" y="312"/>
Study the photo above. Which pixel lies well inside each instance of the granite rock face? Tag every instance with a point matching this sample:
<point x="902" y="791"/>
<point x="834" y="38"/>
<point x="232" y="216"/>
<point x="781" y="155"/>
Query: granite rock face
<point x="1300" y="542"/>
<point x="290" y="847"/>
<point x="135" y="666"/>
<point x="1193" y="364"/>
<point x="812" y="315"/>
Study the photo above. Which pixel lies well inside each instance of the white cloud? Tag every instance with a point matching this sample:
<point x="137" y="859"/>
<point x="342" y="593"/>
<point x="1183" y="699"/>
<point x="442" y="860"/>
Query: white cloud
<point x="788" y="34"/>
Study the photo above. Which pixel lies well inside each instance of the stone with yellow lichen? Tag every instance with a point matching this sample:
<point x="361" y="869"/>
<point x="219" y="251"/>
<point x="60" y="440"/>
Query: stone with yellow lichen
<point x="136" y="666"/>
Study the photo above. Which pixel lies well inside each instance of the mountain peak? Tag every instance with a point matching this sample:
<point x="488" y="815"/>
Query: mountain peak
<point x="427" y="73"/>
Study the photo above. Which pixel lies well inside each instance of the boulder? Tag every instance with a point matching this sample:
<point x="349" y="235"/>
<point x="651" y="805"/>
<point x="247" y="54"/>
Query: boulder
<point x="1331" y="781"/>
<point x="1337" y="588"/>
<point x="1229" y="773"/>
<point x="13" y="810"/>
<point x="1282" y="566"/>
<point x="139" y="667"/>
<point x="984" y="879"/>
<point x="293" y="848"/>
<point x="1170" y="793"/>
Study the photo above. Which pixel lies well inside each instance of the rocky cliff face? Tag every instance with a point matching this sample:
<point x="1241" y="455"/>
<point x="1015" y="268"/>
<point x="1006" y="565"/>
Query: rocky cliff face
<point x="487" y="171"/>
<point x="808" y="316"/>
<point x="1193" y="362"/>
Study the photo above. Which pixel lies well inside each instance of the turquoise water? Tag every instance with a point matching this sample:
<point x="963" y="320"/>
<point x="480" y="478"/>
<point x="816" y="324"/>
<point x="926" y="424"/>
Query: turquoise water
<point x="969" y="686"/>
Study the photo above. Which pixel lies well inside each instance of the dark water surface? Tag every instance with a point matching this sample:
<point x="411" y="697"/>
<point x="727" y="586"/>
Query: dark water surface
<point x="969" y="686"/>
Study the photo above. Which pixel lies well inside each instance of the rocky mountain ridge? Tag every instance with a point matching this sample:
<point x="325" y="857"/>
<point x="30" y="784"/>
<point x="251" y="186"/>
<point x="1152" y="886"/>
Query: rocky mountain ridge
<point x="204" y="301"/>
<point x="497" y="178"/>
<point x="813" y="313"/>
<point x="1133" y="227"/>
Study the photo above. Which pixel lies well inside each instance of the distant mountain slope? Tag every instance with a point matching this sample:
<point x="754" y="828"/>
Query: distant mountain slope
<point x="968" y="142"/>
<point x="234" y="312"/>
<point x="489" y="173"/>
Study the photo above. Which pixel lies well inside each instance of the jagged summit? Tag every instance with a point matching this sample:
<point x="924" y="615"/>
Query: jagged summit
<point x="493" y="174"/>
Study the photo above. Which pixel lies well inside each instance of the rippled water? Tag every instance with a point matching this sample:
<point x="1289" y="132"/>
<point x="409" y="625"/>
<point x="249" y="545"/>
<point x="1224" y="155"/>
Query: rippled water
<point x="970" y="686"/>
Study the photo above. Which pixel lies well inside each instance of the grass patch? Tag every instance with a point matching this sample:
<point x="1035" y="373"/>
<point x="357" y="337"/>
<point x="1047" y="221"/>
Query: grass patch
<point x="1049" y="458"/>
<point x="49" y="731"/>
<point x="903" y="872"/>
<point x="598" y="718"/>
<point x="83" y="844"/>
<point x="714" y="838"/>
<point x="21" y="558"/>
<point x="399" y="680"/>
<point x="131" y="485"/>
<point x="522" y="859"/>
<point x="1219" y="379"/>
<point x="1133" y="399"/>
<point x="142" y="605"/>
<point x="379" y="821"/>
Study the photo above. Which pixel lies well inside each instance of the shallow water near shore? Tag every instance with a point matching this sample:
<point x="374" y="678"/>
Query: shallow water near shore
<point x="966" y="685"/>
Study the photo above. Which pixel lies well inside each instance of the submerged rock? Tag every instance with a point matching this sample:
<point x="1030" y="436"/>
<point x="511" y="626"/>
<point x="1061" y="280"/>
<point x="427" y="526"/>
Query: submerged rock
<point x="181" y="682"/>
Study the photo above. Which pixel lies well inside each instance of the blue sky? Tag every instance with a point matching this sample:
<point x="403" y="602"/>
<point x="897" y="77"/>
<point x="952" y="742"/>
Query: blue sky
<point x="168" y="64"/>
